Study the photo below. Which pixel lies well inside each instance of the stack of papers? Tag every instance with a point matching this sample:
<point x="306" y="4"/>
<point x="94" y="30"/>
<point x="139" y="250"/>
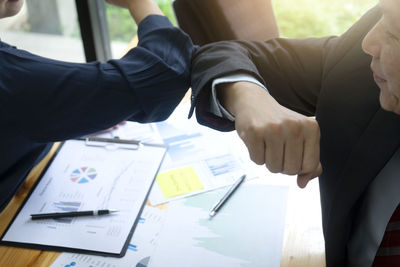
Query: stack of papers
<point x="247" y="232"/>
<point x="197" y="169"/>
<point x="140" y="248"/>
<point x="87" y="178"/>
<point x="198" y="158"/>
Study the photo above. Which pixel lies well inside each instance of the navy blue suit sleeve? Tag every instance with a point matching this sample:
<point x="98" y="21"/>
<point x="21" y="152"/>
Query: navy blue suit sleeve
<point x="48" y="100"/>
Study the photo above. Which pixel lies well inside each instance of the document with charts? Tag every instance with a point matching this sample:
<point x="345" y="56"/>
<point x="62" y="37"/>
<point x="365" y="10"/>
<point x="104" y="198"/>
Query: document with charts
<point x="247" y="231"/>
<point x="82" y="177"/>
<point x="139" y="251"/>
<point x="198" y="158"/>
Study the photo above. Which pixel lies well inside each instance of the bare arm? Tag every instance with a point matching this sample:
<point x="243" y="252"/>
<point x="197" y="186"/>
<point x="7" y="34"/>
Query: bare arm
<point x="139" y="9"/>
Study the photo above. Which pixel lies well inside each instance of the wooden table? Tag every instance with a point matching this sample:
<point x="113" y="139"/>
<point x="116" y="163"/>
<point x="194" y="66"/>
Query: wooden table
<point x="303" y="241"/>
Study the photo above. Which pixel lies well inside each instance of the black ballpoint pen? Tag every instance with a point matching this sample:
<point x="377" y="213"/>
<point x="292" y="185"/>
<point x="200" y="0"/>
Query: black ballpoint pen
<point x="57" y="215"/>
<point x="227" y="196"/>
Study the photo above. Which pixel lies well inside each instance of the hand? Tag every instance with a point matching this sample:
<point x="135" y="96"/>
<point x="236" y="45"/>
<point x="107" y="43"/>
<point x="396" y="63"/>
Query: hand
<point x="286" y="141"/>
<point x="112" y="128"/>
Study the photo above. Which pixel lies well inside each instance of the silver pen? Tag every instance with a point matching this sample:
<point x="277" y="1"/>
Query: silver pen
<point x="227" y="195"/>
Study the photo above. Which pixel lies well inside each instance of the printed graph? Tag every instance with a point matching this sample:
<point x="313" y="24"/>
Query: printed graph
<point x="144" y="262"/>
<point x="66" y="206"/>
<point x="181" y="142"/>
<point x="222" y="165"/>
<point x="83" y="175"/>
<point x="132" y="247"/>
<point x="180" y="146"/>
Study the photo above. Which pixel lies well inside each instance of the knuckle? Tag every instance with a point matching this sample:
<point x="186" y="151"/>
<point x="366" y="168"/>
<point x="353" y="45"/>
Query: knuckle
<point x="312" y="125"/>
<point x="252" y="131"/>
<point x="242" y="134"/>
<point x="315" y="129"/>
<point x="295" y="128"/>
<point x="274" y="130"/>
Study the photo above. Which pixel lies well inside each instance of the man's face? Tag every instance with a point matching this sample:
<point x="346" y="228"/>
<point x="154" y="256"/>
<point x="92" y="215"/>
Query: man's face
<point x="10" y="8"/>
<point x="383" y="44"/>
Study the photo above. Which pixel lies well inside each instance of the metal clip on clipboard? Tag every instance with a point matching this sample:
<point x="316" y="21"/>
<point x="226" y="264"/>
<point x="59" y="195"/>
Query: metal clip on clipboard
<point x="112" y="143"/>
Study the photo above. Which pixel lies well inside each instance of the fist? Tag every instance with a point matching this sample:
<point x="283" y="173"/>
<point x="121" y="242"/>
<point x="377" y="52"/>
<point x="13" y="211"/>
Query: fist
<point x="285" y="141"/>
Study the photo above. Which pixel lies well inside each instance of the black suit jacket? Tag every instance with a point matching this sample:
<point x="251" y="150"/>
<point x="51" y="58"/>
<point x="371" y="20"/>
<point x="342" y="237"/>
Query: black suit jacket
<point x="327" y="77"/>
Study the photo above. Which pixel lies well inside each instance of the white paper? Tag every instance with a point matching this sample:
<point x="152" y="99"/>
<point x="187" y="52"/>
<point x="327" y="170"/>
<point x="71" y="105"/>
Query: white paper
<point x="145" y="132"/>
<point x="208" y="152"/>
<point x="88" y="178"/>
<point x="139" y="251"/>
<point x="247" y="231"/>
<point x="217" y="158"/>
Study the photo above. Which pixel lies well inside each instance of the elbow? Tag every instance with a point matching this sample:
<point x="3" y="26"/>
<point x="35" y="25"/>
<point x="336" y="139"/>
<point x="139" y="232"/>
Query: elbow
<point x="159" y="101"/>
<point x="155" y="114"/>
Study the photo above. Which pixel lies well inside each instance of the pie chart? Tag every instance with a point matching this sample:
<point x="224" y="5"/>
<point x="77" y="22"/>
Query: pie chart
<point x="83" y="175"/>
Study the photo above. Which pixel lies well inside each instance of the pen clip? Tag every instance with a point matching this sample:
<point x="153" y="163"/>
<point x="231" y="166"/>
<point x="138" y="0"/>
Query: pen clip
<point x="112" y="143"/>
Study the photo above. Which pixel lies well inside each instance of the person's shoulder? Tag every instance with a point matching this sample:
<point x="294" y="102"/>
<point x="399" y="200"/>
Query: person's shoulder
<point x="364" y="24"/>
<point x="348" y="45"/>
<point x="374" y="14"/>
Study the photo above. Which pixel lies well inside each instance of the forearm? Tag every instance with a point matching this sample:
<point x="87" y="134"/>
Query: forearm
<point x="237" y="95"/>
<point x="285" y="67"/>
<point x="65" y="100"/>
<point x="140" y="9"/>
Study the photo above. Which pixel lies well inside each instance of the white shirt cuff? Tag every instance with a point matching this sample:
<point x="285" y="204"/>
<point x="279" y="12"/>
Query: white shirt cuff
<point x="215" y="106"/>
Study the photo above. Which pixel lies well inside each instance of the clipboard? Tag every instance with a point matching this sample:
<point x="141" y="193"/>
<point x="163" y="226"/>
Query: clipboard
<point x="78" y="178"/>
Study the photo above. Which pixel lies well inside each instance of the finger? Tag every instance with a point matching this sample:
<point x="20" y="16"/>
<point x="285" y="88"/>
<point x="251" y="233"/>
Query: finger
<point x="107" y="130"/>
<point x="274" y="151"/>
<point x="293" y="154"/>
<point x="255" y="145"/>
<point x="303" y="179"/>
<point x="311" y="152"/>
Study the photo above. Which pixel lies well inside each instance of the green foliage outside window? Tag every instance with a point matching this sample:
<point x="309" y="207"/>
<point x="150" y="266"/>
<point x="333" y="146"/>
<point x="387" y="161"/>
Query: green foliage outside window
<point x="296" y="18"/>
<point x="121" y="25"/>
<point x="316" y="18"/>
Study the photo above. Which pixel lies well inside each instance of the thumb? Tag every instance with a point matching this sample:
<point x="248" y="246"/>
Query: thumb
<point x="303" y="179"/>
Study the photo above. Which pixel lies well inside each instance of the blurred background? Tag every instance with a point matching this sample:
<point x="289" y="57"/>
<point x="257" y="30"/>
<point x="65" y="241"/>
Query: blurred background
<point x="316" y="18"/>
<point x="50" y="27"/>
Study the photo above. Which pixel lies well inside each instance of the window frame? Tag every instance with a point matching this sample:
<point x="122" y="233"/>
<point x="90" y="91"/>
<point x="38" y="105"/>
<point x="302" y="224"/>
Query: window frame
<point x="94" y="29"/>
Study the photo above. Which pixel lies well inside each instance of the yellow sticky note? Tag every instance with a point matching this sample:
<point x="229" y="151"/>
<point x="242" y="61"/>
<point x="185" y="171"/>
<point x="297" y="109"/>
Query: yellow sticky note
<point x="178" y="182"/>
